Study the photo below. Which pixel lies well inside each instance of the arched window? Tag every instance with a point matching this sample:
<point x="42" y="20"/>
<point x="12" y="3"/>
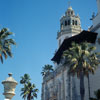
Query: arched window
<point x="76" y="22"/>
<point x="71" y="12"/>
<point x="68" y="12"/>
<point x="65" y="23"/>
<point x="68" y="22"/>
<point x="73" y="22"/>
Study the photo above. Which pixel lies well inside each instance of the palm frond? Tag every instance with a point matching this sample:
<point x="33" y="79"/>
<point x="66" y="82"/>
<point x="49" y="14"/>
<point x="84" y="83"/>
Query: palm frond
<point x="5" y="43"/>
<point x="81" y="57"/>
<point x="1" y="58"/>
<point x="47" y="69"/>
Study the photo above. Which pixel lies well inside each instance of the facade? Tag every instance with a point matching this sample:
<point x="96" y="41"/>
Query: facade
<point x="95" y="79"/>
<point x="58" y="85"/>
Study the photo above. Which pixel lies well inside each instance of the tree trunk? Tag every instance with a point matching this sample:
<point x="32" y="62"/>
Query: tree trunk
<point x="89" y="86"/>
<point x="82" y="89"/>
<point x="29" y="97"/>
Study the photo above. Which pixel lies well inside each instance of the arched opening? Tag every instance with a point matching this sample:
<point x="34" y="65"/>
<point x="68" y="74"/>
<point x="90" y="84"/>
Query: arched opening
<point x="65" y="23"/>
<point x="71" y="12"/>
<point x="73" y="22"/>
<point x="76" y="22"/>
<point x="68" y="12"/>
<point x="68" y="22"/>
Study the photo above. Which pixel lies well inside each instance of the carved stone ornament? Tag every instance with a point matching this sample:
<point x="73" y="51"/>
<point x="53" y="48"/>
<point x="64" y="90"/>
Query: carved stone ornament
<point x="99" y="40"/>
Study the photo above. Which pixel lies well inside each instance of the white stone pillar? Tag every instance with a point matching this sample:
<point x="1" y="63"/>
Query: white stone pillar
<point x="9" y="87"/>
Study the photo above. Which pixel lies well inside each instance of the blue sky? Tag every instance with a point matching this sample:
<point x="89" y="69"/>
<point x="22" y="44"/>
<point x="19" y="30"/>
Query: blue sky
<point x="35" y="24"/>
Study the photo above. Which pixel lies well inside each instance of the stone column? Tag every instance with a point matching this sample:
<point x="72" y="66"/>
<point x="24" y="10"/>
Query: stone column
<point x="9" y="87"/>
<point x="59" y="91"/>
<point x="63" y="86"/>
<point x="69" y="87"/>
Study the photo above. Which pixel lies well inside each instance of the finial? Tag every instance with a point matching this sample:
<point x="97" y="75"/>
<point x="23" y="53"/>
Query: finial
<point x="10" y="74"/>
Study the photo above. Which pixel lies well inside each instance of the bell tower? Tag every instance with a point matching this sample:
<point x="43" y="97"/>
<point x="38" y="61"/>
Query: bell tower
<point x="70" y="25"/>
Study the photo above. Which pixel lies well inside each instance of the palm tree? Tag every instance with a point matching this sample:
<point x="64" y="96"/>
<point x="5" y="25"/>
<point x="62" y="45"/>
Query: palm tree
<point x="97" y="95"/>
<point x="47" y="69"/>
<point x="25" y="79"/>
<point x="23" y="92"/>
<point x="32" y="91"/>
<point x="5" y="44"/>
<point x="82" y="60"/>
<point x="29" y="90"/>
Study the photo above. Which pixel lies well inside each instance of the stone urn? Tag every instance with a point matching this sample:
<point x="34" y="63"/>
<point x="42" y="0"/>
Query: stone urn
<point x="9" y="87"/>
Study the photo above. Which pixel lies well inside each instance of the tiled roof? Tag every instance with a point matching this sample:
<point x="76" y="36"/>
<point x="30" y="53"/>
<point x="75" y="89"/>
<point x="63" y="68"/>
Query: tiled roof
<point x="84" y="36"/>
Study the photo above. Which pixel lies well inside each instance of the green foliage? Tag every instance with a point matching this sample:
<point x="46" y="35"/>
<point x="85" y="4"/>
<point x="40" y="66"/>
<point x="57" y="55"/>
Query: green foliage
<point x="82" y="58"/>
<point x="29" y="90"/>
<point x="25" y="79"/>
<point x="5" y="44"/>
<point x="47" y="69"/>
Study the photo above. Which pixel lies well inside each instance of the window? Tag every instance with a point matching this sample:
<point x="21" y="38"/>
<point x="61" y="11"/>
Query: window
<point x="68" y="22"/>
<point x="68" y="12"/>
<point x="65" y="23"/>
<point x="75" y="22"/>
<point x="71" y="12"/>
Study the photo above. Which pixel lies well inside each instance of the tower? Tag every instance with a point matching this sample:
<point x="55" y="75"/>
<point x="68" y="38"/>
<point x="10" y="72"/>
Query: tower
<point x="98" y="5"/>
<point x="69" y="25"/>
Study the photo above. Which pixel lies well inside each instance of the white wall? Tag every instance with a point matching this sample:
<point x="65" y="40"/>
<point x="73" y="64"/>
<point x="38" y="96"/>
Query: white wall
<point x="96" y="20"/>
<point x="64" y="36"/>
<point x="98" y="5"/>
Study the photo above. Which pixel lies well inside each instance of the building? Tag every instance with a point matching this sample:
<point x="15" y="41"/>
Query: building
<point x="58" y="85"/>
<point x="95" y="79"/>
